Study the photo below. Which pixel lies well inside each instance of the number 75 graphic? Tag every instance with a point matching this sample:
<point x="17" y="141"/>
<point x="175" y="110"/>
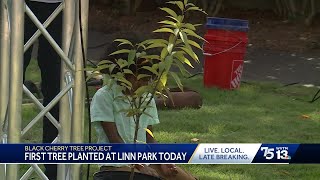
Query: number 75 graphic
<point x="268" y="152"/>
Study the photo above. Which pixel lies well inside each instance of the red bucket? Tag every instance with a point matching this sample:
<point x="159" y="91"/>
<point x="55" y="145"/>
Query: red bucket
<point x="224" y="56"/>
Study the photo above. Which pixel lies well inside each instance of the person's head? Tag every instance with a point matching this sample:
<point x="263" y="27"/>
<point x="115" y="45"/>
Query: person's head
<point x="136" y="68"/>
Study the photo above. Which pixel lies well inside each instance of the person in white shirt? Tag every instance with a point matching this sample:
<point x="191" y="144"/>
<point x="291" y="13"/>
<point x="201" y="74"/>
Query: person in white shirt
<point x="49" y="64"/>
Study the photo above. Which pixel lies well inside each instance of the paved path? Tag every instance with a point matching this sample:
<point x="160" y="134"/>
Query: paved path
<point x="283" y="67"/>
<point x="260" y="64"/>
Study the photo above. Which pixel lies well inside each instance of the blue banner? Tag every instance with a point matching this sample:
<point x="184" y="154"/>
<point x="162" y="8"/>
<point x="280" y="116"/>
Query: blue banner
<point x="227" y="153"/>
<point x="96" y="153"/>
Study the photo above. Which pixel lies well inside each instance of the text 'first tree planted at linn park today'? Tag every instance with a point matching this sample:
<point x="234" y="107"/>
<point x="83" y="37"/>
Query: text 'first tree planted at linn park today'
<point x="182" y="38"/>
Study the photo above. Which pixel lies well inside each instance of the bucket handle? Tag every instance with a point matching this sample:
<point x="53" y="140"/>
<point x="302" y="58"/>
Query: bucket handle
<point x="226" y="50"/>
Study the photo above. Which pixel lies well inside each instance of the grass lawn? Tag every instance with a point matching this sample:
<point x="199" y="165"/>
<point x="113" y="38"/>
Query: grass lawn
<point x="256" y="113"/>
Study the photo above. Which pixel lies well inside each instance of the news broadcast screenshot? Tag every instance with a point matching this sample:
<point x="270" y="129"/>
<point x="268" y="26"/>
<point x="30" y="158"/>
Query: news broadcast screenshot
<point x="159" y="90"/>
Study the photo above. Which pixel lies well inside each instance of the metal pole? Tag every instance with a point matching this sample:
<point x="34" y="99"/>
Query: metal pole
<point x="65" y="115"/>
<point x="46" y="109"/>
<point x="46" y="34"/>
<point x="4" y="63"/>
<point x="78" y="98"/>
<point x="41" y="107"/>
<point x="84" y="23"/>
<point x="45" y="24"/>
<point x="4" y="72"/>
<point x="69" y="79"/>
<point x="27" y="174"/>
<point x="16" y="76"/>
<point x="39" y="172"/>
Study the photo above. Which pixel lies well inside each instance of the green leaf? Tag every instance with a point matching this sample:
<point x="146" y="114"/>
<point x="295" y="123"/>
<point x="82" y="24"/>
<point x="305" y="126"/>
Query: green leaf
<point x="143" y="90"/>
<point x="163" y="97"/>
<point x="131" y="55"/>
<point x="168" y="62"/>
<point x="169" y="23"/>
<point x="170" y="47"/>
<point x="181" y="67"/>
<point x="195" y="44"/>
<point x="185" y="2"/>
<point x="178" y="3"/>
<point x="190" y="53"/>
<point x="122" y="51"/>
<point x="189" y="26"/>
<point x="192" y="33"/>
<point x="163" y="30"/>
<point x="139" y="55"/>
<point x="125" y="81"/>
<point x="183" y="59"/>
<point x="177" y="80"/>
<point x="164" y="78"/>
<point x="169" y="95"/>
<point x="161" y="66"/>
<point x="196" y="9"/>
<point x="125" y="85"/>
<point x="128" y="71"/>
<point x="180" y="18"/>
<point x="168" y="26"/>
<point x="169" y="11"/>
<point x="163" y="81"/>
<point x="123" y="41"/>
<point x="149" y="132"/>
<point x="142" y="76"/>
<point x="105" y="62"/>
<point x="174" y="19"/>
<point x="141" y="45"/>
<point x="103" y="66"/>
<point x="178" y="41"/>
<point x="162" y="41"/>
<point x="195" y="56"/>
<point x="122" y="63"/>
<point x="151" y="57"/>
<point x="108" y="80"/>
<point x="184" y="37"/>
<point x="164" y="53"/>
<point x="120" y="78"/>
<point x="191" y="4"/>
<point x="93" y="75"/>
<point x="196" y="25"/>
<point x="156" y="45"/>
<point x="111" y="68"/>
<point x="154" y="71"/>
<point x="145" y="41"/>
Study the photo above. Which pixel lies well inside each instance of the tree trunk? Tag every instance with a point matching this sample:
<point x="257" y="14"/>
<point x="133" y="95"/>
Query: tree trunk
<point x="312" y="14"/>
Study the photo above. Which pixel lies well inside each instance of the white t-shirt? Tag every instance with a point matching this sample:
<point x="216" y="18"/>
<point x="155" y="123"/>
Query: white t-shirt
<point x="48" y="1"/>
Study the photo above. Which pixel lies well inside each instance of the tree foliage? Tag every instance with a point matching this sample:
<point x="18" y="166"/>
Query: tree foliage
<point x="177" y="50"/>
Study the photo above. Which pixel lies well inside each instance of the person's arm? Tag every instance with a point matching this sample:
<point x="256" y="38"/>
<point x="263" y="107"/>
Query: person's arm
<point x="110" y="129"/>
<point x="150" y="139"/>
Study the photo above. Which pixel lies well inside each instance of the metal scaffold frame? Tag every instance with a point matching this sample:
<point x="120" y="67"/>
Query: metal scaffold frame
<point x="71" y="97"/>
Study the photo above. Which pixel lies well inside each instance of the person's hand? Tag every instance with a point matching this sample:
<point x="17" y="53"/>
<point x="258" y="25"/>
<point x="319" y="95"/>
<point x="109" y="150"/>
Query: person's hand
<point x="144" y="169"/>
<point x="169" y="169"/>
